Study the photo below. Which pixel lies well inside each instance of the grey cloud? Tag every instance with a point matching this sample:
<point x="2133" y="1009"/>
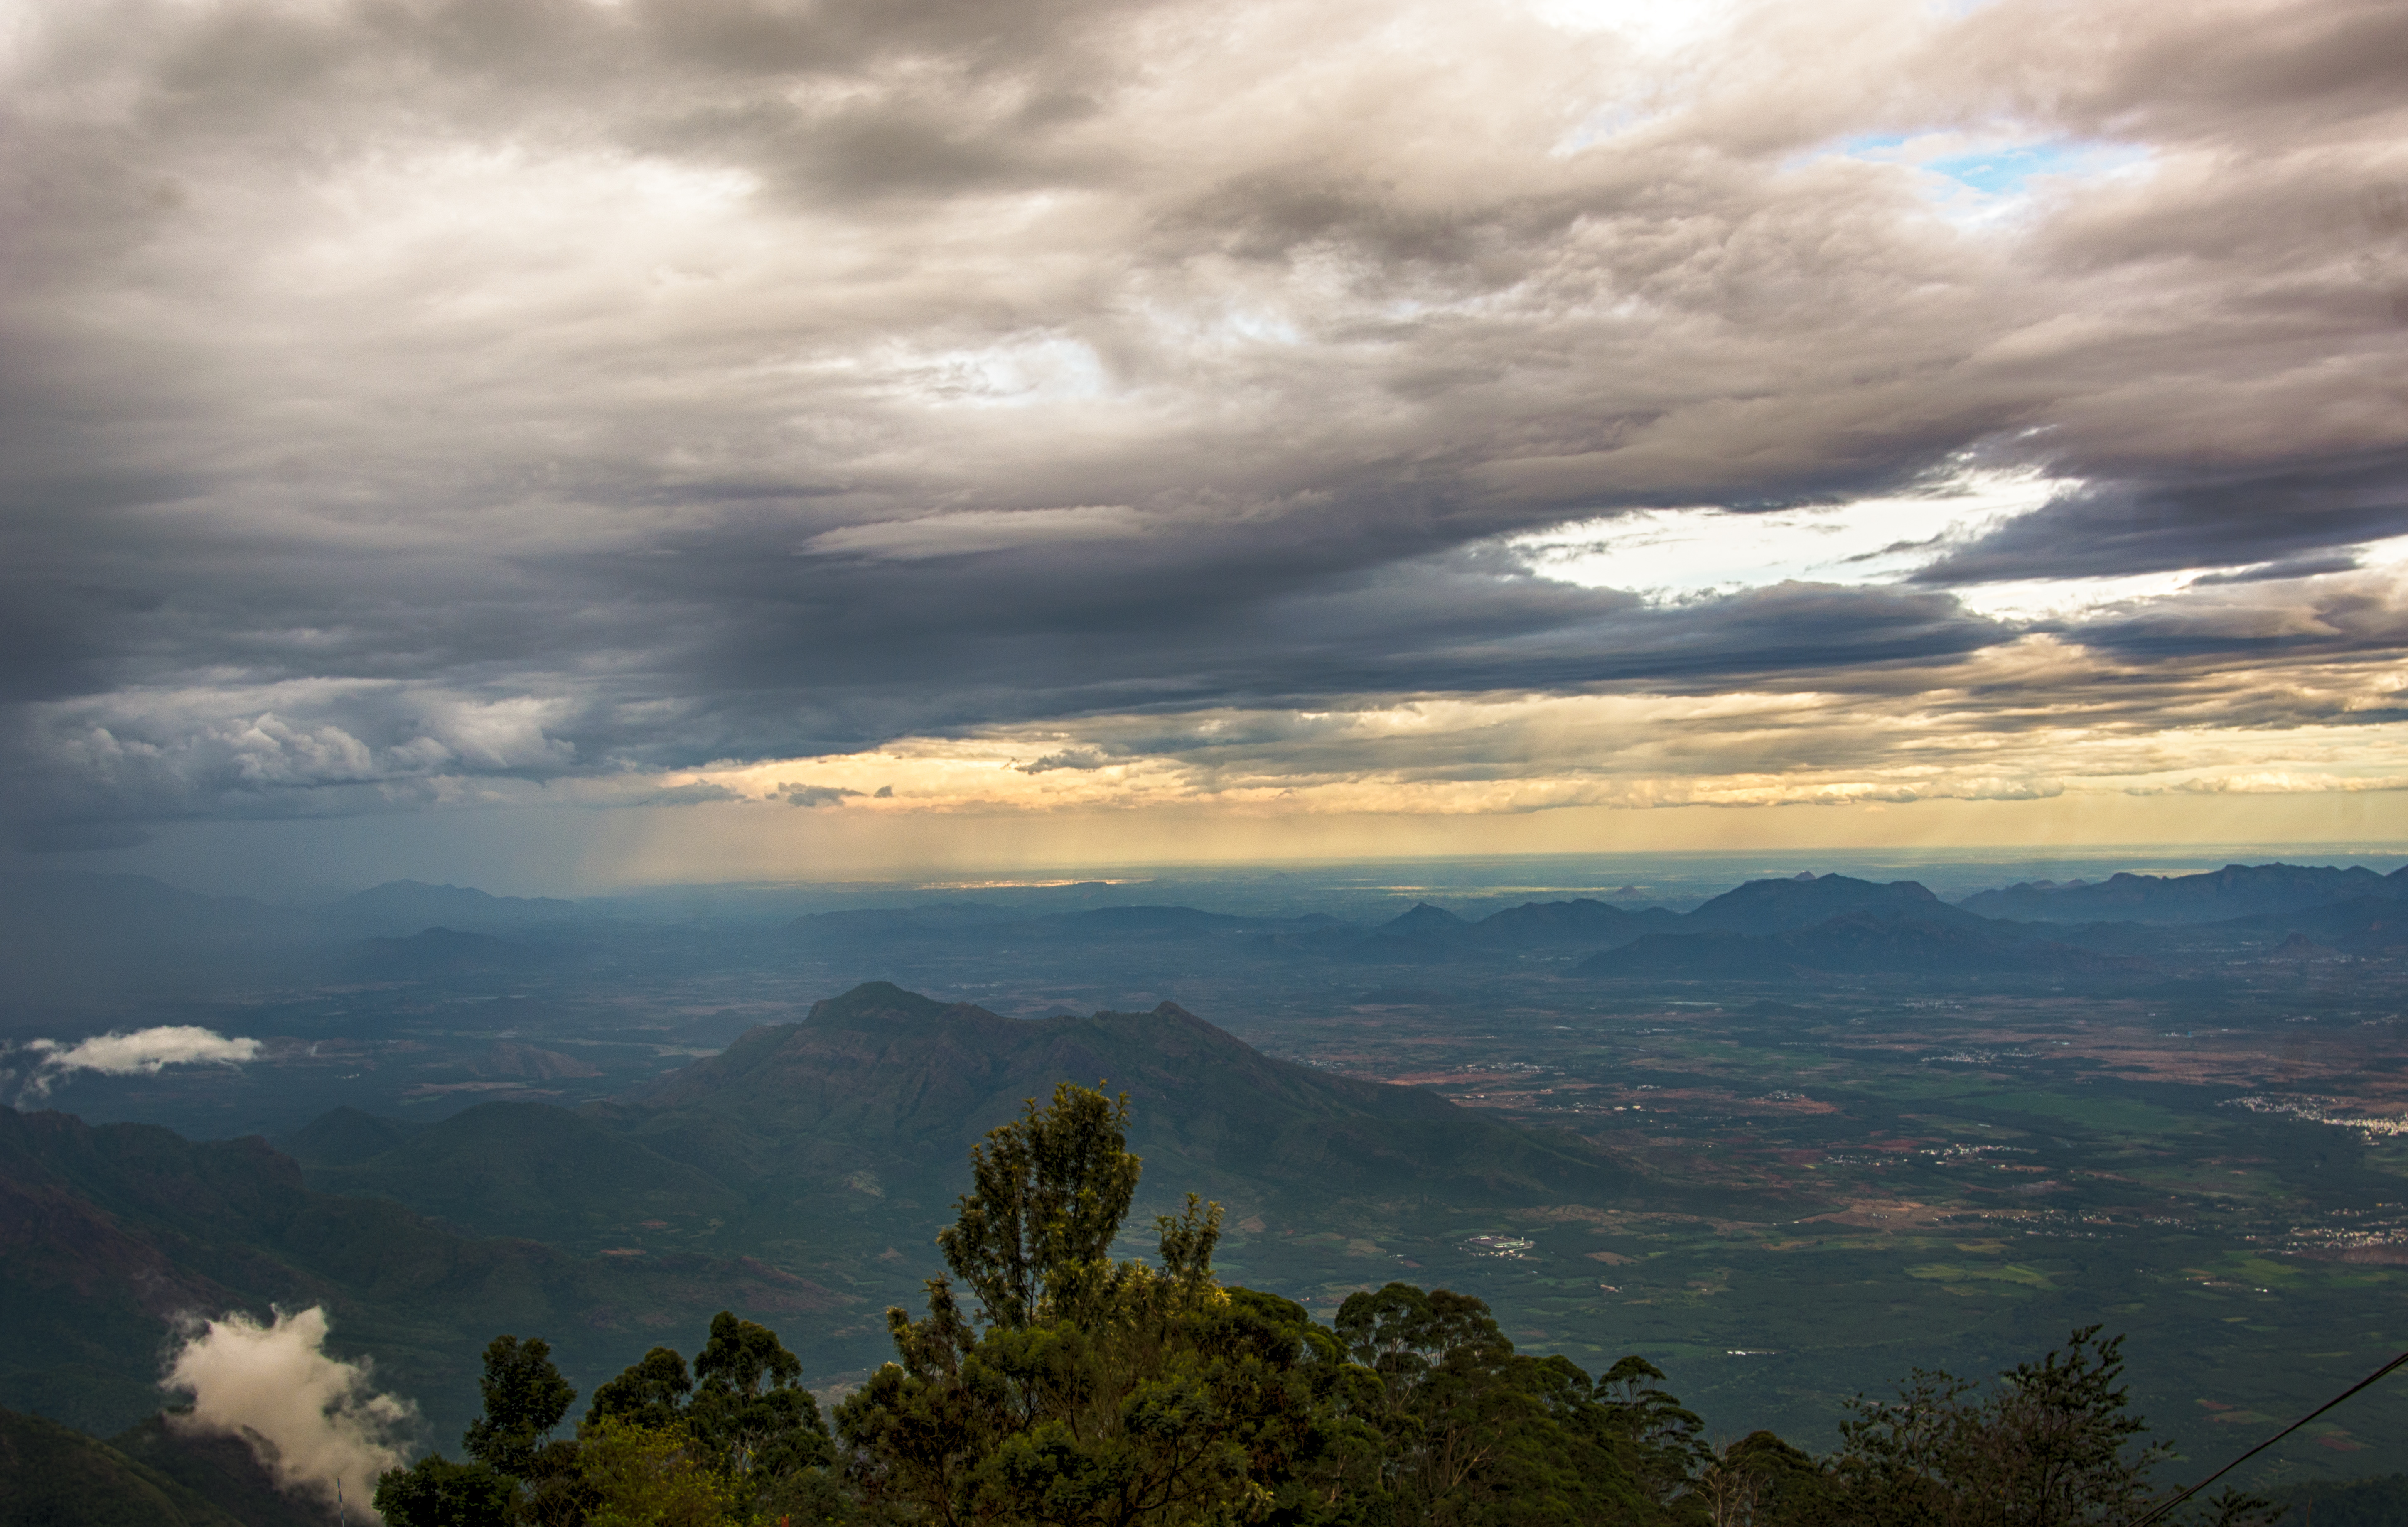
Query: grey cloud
<point x="700" y="794"/>
<point x="2358" y="620"/>
<point x="2230" y="521"/>
<point x="2275" y="572"/>
<point x="816" y="794"/>
<point x="406" y="400"/>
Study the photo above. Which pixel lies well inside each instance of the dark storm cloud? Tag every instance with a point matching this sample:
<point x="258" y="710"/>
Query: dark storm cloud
<point x="410" y="400"/>
<point x="2228" y="522"/>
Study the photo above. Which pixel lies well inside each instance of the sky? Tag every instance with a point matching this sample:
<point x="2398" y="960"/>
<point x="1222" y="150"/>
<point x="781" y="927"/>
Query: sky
<point x="691" y="439"/>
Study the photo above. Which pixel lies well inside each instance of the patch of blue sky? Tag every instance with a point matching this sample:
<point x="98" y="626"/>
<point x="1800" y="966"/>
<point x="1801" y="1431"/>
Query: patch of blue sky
<point x="1973" y="178"/>
<point x="2008" y="170"/>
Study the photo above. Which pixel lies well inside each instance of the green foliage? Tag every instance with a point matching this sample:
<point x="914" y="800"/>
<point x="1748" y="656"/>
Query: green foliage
<point x="1185" y="1403"/>
<point x="2053" y="1445"/>
<point x="749" y="1405"/>
<point x="1097" y="1393"/>
<point x="1472" y="1431"/>
<point x="436" y="1492"/>
<point x="525" y="1399"/>
<point x="650" y="1477"/>
<point x="1094" y="1393"/>
<point x="651" y="1393"/>
<point x="743" y="1412"/>
<point x="1760" y="1480"/>
<point x="2380" y="1502"/>
<point x="1033" y="1236"/>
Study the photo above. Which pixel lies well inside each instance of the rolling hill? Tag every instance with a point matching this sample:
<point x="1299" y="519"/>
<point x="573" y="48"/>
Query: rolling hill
<point x="885" y="1081"/>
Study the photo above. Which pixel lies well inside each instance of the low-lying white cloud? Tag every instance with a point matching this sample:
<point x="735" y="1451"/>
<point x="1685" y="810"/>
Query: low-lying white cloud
<point x="313" y="1420"/>
<point x="141" y="1052"/>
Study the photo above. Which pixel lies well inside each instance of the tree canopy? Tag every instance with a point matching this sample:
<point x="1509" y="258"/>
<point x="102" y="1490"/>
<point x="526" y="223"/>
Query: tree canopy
<point x="1083" y="1391"/>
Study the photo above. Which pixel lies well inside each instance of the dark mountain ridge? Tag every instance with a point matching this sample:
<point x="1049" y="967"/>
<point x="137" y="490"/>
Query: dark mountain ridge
<point x="2236" y="891"/>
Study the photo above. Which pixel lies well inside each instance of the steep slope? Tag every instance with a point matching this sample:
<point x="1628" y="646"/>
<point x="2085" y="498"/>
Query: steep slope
<point x="885" y="1082"/>
<point x="109" y="1232"/>
<point x="53" y="1476"/>
<point x="345" y="1137"/>
<point x="2236" y="891"/>
<point x="528" y="1169"/>
<point x="222" y="1470"/>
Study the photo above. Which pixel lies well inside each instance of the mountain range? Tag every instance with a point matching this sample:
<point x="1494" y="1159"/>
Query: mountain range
<point x="65" y="939"/>
<point x="738" y="1182"/>
<point x="1765" y="930"/>
<point x="2236" y="891"/>
<point x="800" y="1130"/>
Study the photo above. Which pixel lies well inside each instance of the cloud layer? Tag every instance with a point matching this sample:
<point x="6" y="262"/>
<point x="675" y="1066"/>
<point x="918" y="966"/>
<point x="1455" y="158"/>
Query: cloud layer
<point x="420" y="404"/>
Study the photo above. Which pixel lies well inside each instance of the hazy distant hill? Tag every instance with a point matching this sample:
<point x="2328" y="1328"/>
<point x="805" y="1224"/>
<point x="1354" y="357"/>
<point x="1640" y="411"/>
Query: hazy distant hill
<point x="2236" y="891"/>
<point x="886" y="1081"/>
<point x="1761" y="908"/>
<point x="74" y="936"/>
<point x="1860" y="943"/>
<point x="1591" y="924"/>
<point x="2362" y="925"/>
<point x="1424" y="934"/>
<point x="442" y="952"/>
<point x="400" y="908"/>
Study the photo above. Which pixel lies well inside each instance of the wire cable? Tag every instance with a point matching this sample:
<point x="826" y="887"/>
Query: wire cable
<point x="2384" y="1372"/>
